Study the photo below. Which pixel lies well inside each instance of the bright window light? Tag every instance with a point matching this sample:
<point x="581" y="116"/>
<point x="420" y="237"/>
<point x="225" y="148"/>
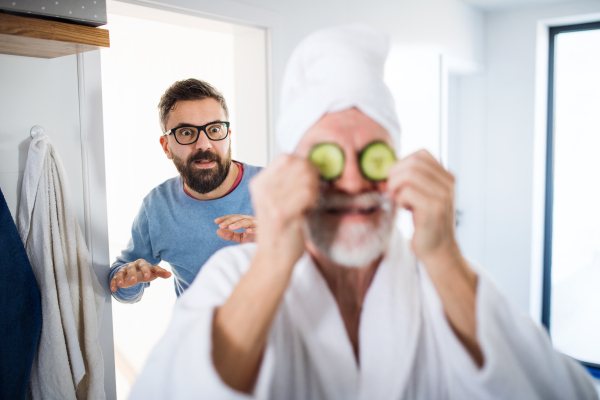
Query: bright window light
<point x="575" y="257"/>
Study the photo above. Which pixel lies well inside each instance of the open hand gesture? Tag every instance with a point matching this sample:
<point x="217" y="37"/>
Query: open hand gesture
<point x="139" y="271"/>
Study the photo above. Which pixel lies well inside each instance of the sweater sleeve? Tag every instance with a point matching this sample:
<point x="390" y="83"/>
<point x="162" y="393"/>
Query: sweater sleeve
<point x="180" y="366"/>
<point x="139" y="247"/>
<point x="519" y="360"/>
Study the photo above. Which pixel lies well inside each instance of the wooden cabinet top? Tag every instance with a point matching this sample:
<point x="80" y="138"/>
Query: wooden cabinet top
<point x="31" y="37"/>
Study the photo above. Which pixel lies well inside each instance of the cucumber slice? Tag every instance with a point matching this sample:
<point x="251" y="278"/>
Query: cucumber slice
<point x="375" y="161"/>
<point x="329" y="159"/>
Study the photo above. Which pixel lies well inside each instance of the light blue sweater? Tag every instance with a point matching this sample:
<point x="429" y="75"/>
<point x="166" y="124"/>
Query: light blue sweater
<point x="174" y="227"/>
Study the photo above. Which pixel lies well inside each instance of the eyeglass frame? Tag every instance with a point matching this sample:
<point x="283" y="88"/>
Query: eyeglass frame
<point x="200" y="129"/>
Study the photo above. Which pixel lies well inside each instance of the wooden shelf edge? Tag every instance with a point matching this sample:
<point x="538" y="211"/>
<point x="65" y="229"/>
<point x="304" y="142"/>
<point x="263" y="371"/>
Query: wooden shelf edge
<point x="33" y="37"/>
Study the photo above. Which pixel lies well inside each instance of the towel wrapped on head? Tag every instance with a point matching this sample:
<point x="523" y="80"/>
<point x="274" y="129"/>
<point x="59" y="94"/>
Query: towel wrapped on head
<point x="332" y="70"/>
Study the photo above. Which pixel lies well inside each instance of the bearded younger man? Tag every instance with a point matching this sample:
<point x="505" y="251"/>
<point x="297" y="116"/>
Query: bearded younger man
<point x="331" y="302"/>
<point x="178" y="219"/>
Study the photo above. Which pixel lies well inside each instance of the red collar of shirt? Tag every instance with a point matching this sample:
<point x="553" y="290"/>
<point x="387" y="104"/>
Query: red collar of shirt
<point x="235" y="184"/>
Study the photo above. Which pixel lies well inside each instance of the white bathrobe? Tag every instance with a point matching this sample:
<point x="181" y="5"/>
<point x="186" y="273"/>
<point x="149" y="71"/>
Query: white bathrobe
<point x="68" y="361"/>
<point x="407" y="348"/>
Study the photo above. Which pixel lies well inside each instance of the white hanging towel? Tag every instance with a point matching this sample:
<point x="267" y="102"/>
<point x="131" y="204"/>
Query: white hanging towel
<point x="68" y="362"/>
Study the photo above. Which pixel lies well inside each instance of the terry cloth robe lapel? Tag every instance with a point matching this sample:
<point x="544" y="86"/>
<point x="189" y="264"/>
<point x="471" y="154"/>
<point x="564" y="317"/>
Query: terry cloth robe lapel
<point x="390" y="315"/>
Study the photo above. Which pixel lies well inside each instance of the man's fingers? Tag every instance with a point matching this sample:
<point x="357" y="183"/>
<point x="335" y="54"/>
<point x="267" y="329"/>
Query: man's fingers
<point x="131" y="274"/>
<point x="421" y="172"/>
<point x="419" y="169"/>
<point x="419" y="180"/>
<point x="412" y="199"/>
<point x="119" y="278"/>
<point x="116" y="281"/>
<point x="145" y="271"/>
<point x="248" y="237"/>
<point x="229" y="235"/>
<point x="162" y="273"/>
<point x="230" y="219"/>
<point x="245" y="223"/>
<point x="113" y="284"/>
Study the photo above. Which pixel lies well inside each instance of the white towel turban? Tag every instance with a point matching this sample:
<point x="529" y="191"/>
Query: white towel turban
<point x="332" y="70"/>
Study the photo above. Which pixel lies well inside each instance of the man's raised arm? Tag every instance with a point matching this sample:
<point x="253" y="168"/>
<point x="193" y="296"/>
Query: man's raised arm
<point x="282" y="194"/>
<point x="421" y="185"/>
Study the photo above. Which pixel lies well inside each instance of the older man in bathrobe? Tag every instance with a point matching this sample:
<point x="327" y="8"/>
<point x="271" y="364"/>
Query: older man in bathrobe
<point x="331" y="302"/>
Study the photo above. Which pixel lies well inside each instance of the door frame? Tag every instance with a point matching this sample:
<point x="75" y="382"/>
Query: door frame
<point x="92" y="140"/>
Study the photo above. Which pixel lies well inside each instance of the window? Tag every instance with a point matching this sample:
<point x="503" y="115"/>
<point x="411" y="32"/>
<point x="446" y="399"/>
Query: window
<point x="571" y="297"/>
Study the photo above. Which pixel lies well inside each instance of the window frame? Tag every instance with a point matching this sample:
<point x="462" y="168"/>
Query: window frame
<point x="593" y="368"/>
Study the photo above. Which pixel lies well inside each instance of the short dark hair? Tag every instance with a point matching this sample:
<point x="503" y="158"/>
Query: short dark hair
<point x="189" y="89"/>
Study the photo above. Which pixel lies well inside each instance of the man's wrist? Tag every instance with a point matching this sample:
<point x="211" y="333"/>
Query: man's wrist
<point x="449" y="260"/>
<point x="275" y="261"/>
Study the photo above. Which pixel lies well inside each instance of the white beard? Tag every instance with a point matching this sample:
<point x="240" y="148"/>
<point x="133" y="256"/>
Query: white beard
<point x="351" y="245"/>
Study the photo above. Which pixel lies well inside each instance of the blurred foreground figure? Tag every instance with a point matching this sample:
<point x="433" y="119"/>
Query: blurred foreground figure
<point x="331" y="302"/>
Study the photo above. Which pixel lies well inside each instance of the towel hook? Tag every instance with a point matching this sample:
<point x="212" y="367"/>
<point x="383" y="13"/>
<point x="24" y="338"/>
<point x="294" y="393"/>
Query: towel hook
<point x="36" y="130"/>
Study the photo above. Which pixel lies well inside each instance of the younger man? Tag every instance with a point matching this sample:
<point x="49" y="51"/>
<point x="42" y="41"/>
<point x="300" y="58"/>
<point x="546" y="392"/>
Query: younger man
<point x="176" y="222"/>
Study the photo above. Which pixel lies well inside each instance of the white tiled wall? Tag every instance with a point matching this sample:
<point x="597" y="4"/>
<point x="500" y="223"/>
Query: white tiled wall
<point x="42" y="92"/>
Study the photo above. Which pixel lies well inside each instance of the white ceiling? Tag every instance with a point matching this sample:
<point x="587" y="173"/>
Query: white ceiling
<point x="503" y="4"/>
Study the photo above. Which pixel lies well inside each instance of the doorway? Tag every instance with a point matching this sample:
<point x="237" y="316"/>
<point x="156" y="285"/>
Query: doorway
<point x="150" y="50"/>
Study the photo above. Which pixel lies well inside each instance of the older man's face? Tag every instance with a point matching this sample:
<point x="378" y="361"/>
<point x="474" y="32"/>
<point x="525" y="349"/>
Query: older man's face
<point x="354" y="220"/>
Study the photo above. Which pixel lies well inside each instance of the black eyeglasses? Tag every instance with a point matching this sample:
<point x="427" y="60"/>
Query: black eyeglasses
<point x="189" y="134"/>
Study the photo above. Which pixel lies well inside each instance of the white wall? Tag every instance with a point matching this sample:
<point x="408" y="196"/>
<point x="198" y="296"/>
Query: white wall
<point x="39" y="92"/>
<point x="251" y="104"/>
<point x="502" y="110"/>
<point x="413" y="76"/>
<point x="450" y="27"/>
